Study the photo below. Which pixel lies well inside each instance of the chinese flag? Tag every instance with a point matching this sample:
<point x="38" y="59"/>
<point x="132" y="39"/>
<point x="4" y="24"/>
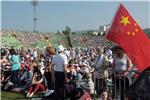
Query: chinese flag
<point x="127" y="33"/>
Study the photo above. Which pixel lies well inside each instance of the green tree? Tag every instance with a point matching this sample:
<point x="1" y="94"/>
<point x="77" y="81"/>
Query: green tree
<point x="69" y="35"/>
<point x="89" y="32"/>
<point x="58" y="32"/>
<point x="67" y="31"/>
<point x="73" y="33"/>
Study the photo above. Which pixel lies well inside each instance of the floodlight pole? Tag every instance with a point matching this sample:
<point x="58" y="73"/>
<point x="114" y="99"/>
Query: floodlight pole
<point x="34" y="4"/>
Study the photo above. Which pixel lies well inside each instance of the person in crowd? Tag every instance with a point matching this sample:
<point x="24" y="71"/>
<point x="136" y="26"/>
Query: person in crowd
<point x="121" y="67"/>
<point x="101" y="65"/>
<point x="15" y="67"/>
<point x="38" y="83"/>
<point x="80" y="94"/>
<point x="22" y="52"/>
<point x="35" y="54"/>
<point x="64" y="76"/>
<point x="67" y="53"/>
<point x="49" y="54"/>
<point x="105" y="95"/>
<point x="60" y="61"/>
<point x="107" y="52"/>
<point x="72" y="53"/>
<point x="89" y="84"/>
<point x="71" y="72"/>
<point x="6" y="78"/>
<point x="41" y="66"/>
<point x="4" y="55"/>
<point x="25" y="79"/>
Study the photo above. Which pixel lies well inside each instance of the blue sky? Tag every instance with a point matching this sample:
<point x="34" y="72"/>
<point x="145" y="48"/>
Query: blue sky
<point x="79" y="15"/>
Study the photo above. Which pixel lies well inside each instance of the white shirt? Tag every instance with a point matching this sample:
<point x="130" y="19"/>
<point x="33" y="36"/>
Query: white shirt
<point x="99" y="60"/>
<point x="120" y="64"/>
<point x="41" y="68"/>
<point x="98" y="63"/>
<point x="108" y="53"/>
<point x="67" y="53"/>
<point x="35" y="54"/>
<point x="59" y="61"/>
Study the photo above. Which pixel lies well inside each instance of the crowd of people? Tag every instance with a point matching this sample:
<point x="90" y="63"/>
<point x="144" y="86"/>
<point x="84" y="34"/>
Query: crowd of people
<point x="25" y="37"/>
<point x="67" y="73"/>
<point x="86" y="40"/>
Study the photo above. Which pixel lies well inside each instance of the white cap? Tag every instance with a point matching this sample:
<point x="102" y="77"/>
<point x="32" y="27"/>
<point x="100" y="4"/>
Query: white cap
<point x="60" y="48"/>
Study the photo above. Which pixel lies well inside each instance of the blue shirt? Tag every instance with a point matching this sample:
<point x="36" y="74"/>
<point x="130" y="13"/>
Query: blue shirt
<point x="15" y="63"/>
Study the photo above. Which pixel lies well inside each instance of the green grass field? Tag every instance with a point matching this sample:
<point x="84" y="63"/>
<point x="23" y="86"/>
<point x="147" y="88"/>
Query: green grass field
<point x="19" y="96"/>
<point x="12" y="96"/>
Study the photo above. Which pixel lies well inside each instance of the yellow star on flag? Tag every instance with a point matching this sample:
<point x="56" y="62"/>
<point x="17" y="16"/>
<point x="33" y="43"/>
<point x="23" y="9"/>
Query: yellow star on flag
<point x="124" y="20"/>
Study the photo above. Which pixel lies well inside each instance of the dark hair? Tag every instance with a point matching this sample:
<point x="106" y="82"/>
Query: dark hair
<point x="105" y="89"/>
<point x="75" y="92"/>
<point x="72" y="83"/>
<point x="38" y="75"/>
<point x="118" y="51"/>
<point x="71" y="61"/>
<point x="116" y="48"/>
<point x="13" y="52"/>
<point x="3" y="52"/>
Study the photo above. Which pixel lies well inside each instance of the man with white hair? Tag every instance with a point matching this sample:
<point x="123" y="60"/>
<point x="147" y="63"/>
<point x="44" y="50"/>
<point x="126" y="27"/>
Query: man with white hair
<point x="101" y="65"/>
<point x="59" y="65"/>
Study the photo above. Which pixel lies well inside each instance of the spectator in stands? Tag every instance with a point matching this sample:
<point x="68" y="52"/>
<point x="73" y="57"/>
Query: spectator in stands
<point x="15" y="67"/>
<point x="49" y="54"/>
<point x="25" y="79"/>
<point x="4" y="54"/>
<point x="107" y="52"/>
<point x="105" y="95"/>
<point x="67" y="53"/>
<point x="121" y="66"/>
<point x="101" y="65"/>
<point x="89" y="84"/>
<point x="22" y="51"/>
<point x="71" y="73"/>
<point x="38" y="83"/>
<point x="35" y="54"/>
<point x="80" y="94"/>
<point x="60" y="62"/>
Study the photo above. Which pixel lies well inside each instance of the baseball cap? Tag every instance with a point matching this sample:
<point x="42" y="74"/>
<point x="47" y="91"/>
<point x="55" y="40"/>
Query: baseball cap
<point x="60" y="48"/>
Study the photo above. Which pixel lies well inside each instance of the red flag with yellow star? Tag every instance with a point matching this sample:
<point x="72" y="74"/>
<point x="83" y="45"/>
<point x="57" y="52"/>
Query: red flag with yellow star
<point x="127" y="34"/>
